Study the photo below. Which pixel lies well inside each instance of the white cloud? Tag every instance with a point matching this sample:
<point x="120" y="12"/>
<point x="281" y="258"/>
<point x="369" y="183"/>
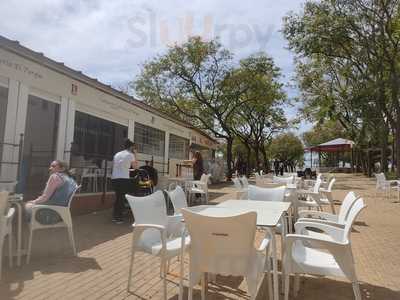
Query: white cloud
<point x="110" y="39"/>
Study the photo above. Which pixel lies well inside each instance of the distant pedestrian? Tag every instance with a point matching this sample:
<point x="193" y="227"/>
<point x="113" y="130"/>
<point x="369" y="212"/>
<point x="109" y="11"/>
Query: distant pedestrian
<point x="276" y="167"/>
<point x="198" y="168"/>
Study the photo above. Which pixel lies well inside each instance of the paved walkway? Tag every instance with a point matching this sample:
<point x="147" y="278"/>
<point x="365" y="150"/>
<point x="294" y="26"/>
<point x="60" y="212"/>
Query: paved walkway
<point x="100" y="271"/>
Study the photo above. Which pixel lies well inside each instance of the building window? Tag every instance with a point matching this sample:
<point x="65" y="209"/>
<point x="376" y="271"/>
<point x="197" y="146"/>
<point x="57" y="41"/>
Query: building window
<point x="149" y="140"/>
<point x="178" y="147"/>
<point x="40" y="140"/>
<point x="95" y="143"/>
<point x="3" y="112"/>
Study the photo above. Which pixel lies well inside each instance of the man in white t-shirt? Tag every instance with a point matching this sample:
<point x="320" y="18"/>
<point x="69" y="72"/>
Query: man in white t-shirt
<point x="122" y="184"/>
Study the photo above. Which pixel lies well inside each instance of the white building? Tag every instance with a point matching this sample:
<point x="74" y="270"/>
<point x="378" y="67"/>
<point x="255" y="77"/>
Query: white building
<point x="60" y="113"/>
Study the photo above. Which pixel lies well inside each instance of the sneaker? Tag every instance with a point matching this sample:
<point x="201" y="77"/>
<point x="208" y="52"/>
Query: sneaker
<point x="117" y="221"/>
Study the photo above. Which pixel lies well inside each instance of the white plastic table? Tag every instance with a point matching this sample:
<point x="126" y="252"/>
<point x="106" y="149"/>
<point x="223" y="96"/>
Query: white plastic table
<point x="17" y="201"/>
<point x="268" y="216"/>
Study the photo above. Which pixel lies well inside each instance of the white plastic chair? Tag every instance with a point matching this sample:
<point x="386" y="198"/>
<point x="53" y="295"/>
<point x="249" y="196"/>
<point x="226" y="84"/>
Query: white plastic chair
<point x="66" y="221"/>
<point x="225" y="246"/>
<point x="382" y="184"/>
<point x="276" y="194"/>
<point x="154" y="232"/>
<point x="6" y="216"/>
<point x="326" y="254"/>
<point x="178" y="199"/>
<point x="199" y="187"/>
<point x="309" y="183"/>
<point x="312" y="199"/>
<point x="327" y="194"/>
<point x="91" y="174"/>
<point x="241" y="193"/>
<point x="285" y="180"/>
<point x="328" y="218"/>
<point x="244" y="181"/>
<point x="266" y="194"/>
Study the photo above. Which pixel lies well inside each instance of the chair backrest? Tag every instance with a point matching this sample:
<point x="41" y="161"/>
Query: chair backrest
<point x="237" y="183"/>
<point x="317" y="185"/>
<point x="73" y="195"/>
<point x="3" y="203"/>
<point x="355" y="210"/>
<point x="266" y="194"/>
<point x="347" y="203"/>
<point x="204" y="179"/>
<point x="221" y="245"/>
<point x="150" y="209"/>
<point x="178" y="199"/>
<point x="330" y="185"/>
<point x="286" y="180"/>
<point x="244" y="181"/>
<point x="380" y="177"/>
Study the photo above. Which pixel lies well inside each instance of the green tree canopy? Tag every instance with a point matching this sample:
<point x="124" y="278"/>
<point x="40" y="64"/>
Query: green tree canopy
<point x="287" y="148"/>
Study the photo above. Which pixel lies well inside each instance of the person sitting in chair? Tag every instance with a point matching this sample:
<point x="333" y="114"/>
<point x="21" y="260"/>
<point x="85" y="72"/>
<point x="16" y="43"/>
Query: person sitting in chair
<point x="58" y="190"/>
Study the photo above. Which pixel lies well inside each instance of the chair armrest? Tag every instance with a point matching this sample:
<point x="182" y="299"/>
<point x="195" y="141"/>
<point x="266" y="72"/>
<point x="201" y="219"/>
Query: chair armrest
<point x="327" y="222"/>
<point x="265" y="242"/>
<point x="341" y="251"/>
<point x="317" y="242"/>
<point x="138" y="229"/>
<point x="148" y="226"/>
<point x="174" y="225"/>
<point x="57" y="208"/>
<point x="302" y="191"/>
<point x="317" y="214"/>
<point x="393" y="181"/>
<point x="10" y="214"/>
<point x="199" y="184"/>
<point x="334" y="232"/>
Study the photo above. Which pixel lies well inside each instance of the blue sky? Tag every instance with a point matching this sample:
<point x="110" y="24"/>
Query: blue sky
<point x="109" y="40"/>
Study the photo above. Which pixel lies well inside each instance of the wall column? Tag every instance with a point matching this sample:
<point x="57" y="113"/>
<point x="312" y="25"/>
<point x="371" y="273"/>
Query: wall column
<point x="15" y="126"/>
<point x="62" y="128"/>
<point x="166" y="152"/>
<point x="131" y="130"/>
<point x="7" y="171"/>
<point x="69" y="135"/>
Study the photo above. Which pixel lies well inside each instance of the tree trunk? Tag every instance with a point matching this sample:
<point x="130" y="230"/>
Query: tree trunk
<point x="229" y="156"/>
<point x="393" y="152"/>
<point x="256" y="152"/>
<point x="384" y="147"/>
<point x="248" y="157"/>
<point x="397" y="145"/>
<point x="364" y="162"/>
<point x="266" y="162"/>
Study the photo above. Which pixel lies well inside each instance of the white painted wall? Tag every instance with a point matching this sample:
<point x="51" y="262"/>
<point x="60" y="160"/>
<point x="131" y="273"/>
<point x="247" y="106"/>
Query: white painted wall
<point x="25" y="77"/>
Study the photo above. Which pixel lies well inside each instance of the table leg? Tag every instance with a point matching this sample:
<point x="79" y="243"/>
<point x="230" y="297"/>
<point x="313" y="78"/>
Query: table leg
<point x="19" y="233"/>
<point x="274" y="264"/>
<point x="285" y="231"/>
<point x="290" y="217"/>
<point x="183" y="233"/>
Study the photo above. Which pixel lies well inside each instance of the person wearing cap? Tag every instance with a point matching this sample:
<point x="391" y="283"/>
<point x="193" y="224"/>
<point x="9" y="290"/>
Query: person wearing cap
<point x="121" y="183"/>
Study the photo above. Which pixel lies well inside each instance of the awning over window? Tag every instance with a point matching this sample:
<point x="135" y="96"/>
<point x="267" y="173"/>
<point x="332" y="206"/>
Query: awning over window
<point x="335" y="145"/>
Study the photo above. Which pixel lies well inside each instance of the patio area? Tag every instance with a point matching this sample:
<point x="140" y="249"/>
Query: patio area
<point x="101" y="269"/>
